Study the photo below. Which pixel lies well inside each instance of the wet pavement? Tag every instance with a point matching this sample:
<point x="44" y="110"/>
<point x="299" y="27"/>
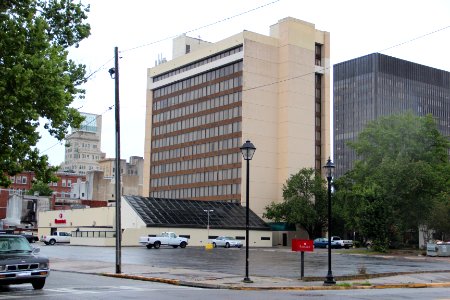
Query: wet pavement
<point x="274" y="268"/>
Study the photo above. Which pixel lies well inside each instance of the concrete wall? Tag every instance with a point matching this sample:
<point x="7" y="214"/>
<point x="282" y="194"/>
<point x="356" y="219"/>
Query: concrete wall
<point x="100" y="217"/>
<point x="181" y="42"/>
<point x="197" y="236"/>
<point x="278" y="107"/>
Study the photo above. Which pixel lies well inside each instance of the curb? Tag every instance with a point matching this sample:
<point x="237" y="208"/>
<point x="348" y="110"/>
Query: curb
<point x="371" y="276"/>
<point x="265" y="288"/>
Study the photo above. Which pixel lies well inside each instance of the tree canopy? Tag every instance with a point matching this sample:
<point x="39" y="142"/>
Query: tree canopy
<point x="41" y="188"/>
<point x="305" y="202"/>
<point x="402" y="173"/>
<point x="37" y="79"/>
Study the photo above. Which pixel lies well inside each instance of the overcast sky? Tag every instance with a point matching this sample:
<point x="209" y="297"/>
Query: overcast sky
<point x="143" y="29"/>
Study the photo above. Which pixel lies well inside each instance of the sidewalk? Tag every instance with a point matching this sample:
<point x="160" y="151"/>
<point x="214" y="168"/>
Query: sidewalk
<point x="202" y="279"/>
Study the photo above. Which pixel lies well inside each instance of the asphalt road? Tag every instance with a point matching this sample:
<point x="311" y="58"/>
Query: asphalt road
<point x="263" y="261"/>
<point x="75" y="286"/>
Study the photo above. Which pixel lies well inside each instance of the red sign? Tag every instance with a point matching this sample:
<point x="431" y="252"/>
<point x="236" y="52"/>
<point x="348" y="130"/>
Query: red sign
<point x="63" y="221"/>
<point x="302" y="245"/>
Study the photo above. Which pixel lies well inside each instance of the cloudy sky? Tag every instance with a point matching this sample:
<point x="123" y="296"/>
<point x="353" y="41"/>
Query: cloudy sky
<point x="418" y="31"/>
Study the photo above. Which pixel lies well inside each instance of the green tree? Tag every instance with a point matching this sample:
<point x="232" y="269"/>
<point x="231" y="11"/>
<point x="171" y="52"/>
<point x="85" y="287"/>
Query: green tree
<point x="439" y="219"/>
<point x="305" y="202"/>
<point x="41" y="188"/>
<point x="37" y="80"/>
<point x="402" y="169"/>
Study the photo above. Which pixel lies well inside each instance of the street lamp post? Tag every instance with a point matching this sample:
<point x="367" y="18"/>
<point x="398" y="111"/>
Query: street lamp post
<point x="247" y="149"/>
<point x="329" y="169"/>
<point x="207" y="227"/>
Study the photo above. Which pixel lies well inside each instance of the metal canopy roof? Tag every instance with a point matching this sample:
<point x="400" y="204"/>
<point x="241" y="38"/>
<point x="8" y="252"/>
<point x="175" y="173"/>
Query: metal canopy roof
<point x="161" y="212"/>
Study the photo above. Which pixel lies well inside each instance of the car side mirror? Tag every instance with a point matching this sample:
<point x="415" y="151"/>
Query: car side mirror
<point x="36" y="250"/>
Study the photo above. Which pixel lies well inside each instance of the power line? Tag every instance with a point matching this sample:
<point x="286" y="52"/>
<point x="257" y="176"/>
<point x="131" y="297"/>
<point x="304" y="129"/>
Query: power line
<point x="252" y="88"/>
<point x="327" y="68"/>
<point x="204" y="26"/>
<point x="161" y="40"/>
<point x="414" y="39"/>
<point x="94" y="120"/>
<point x="98" y="69"/>
<point x="174" y="36"/>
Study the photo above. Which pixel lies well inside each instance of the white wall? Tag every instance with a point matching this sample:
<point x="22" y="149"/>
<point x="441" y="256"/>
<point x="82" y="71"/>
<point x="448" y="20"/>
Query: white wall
<point x="133" y="227"/>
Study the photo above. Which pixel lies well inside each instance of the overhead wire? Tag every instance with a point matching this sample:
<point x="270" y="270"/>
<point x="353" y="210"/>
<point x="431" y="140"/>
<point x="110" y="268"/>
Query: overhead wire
<point x="329" y="67"/>
<point x="416" y="38"/>
<point x="250" y="88"/>
<point x="94" y="120"/>
<point x="88" y="77"/>
<point x="204" y="26"/>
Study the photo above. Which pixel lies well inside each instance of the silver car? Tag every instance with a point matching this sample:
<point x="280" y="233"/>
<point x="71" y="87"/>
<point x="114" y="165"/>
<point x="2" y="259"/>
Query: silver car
<point x="226" y="241"/>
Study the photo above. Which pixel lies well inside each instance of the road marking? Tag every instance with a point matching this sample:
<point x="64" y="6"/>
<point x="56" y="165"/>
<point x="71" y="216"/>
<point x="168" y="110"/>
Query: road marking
<point x="49" y="292"/>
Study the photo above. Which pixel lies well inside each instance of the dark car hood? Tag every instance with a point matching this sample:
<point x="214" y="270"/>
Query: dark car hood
<point x="14" y="258"/>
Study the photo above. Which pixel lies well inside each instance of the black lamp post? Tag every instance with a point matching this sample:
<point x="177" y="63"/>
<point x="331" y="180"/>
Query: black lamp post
<point x="247" y="149"/>
<point x="329" y="169"/>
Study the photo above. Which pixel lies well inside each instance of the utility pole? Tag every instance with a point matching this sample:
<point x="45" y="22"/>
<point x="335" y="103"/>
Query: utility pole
<point x="115" y="71"/>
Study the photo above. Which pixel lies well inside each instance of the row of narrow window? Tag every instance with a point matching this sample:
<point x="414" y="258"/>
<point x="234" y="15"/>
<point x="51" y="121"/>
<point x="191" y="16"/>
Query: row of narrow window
<point x="199" y="63"/>
<point x="198" y="163"/>
<point x="197" y="135"/>
<point x="198" y="107"/>
<point x="231" y="190"/>
<point x="224" y="144"/>
<point x="198" y="121"/>
<point x="200" y="177"/>
<point x="201" y="92"/>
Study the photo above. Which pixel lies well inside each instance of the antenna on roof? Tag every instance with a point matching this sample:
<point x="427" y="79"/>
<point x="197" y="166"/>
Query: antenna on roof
<point x="160" y="59"/>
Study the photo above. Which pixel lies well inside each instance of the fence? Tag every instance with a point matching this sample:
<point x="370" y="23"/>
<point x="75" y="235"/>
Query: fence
<point x="94" y="234"/>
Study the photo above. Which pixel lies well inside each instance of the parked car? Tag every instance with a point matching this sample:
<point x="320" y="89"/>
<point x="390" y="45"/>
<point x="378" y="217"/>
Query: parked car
<point x="19" y="262"/>
<point x="226" y="241"/>
<point x="323" y="243"/>
<point x="342" y="243"/>
<point x="56" y="237"/>
<point x="165" y="238"/>
<point x="30" y="237"/>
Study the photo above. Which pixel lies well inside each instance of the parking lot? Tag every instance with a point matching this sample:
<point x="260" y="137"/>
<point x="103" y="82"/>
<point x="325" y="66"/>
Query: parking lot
<point x="280" y="262"/>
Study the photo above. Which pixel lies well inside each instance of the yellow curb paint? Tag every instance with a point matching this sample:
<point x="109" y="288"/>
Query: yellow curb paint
<point x="293" y="288"/>
<point x="143" y="278"/>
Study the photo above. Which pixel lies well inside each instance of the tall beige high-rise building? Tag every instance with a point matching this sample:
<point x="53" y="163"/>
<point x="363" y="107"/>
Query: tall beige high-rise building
<point x="83" y="149"/>
<point x="206" y="102"/>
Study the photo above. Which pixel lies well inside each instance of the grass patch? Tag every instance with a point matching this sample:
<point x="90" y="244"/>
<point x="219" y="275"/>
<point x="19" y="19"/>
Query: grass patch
<point x="365" y="283"/>
<point x="396" y="252"/>
<point x="358" y="251"/>
<point x="344" y="284"/>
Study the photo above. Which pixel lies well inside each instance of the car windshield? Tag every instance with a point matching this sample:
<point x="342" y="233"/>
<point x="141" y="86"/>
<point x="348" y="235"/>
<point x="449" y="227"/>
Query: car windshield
<point x="14" y="244"/>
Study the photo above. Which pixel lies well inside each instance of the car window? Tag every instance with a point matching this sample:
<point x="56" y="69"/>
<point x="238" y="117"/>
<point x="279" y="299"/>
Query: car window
<point x="14" y="244"/>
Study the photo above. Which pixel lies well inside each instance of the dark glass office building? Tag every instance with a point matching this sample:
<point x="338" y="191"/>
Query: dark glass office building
<point x="375" y="85"/>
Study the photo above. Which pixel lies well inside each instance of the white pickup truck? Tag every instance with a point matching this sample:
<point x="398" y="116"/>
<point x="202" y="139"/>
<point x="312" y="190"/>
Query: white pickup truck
<point x="165" y="238"/>
<point x="56" y="237"/>
<point x="342" y="243"/>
